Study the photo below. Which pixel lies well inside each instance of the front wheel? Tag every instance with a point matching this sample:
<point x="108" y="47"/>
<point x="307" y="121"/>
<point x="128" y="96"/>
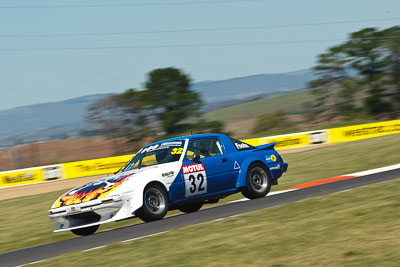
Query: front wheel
<point x="155" y="204"/>
<point x="258" y="182"/>
<point x="86" y="231"/>
<point x="192" y="207"/>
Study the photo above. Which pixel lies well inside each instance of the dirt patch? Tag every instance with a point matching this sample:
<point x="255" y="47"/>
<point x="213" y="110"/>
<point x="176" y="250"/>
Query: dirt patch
<point x="33" y="189"/>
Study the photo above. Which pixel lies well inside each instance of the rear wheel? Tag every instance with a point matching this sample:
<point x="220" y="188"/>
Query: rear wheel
<point x="191" y="207"/>
<point x="258" y="182"/>
<point x="155" y="204"/>
<point x="86" y="231"/>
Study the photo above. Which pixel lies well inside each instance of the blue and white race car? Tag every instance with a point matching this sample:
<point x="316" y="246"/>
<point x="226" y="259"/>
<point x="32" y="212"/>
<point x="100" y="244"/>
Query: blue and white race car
<point x="180" y="173"/>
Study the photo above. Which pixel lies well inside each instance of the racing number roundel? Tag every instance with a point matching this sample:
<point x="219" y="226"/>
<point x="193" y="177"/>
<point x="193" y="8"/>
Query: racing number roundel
<point x="195" y="179"/>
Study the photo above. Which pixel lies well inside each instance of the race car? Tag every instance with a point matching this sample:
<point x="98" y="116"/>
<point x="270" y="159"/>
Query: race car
<point x="180" y="173"/>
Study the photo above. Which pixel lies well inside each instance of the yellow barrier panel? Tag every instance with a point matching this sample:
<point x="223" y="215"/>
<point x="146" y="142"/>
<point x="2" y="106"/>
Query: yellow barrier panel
<point x="296" y="140"/>
<point x="94" y="166"/>
<point x="110" y="165"/>
<point x="253" y="141"/>
<point x="21" y="177"/>
<point x="287" y="141"/>
<point x="363" y="131"/>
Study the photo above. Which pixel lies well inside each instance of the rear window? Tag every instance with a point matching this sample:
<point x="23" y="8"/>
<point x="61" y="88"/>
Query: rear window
<point x="241" y="145"/>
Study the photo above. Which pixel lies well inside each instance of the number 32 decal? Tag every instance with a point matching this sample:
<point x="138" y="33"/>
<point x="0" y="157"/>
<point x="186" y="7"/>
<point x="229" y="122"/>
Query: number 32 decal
<point x="195" y="179"/>
<point x="195" y="184"/>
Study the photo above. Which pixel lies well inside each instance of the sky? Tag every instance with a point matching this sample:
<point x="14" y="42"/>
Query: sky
<point x="56" y="50"/>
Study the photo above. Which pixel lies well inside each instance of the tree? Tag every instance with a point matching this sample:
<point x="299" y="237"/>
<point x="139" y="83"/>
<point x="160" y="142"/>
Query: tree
<point x="333" y="89"/>
<point x="373" y="59"/>
<point x="169" y="96"/>
<point x="367" y="56"/>
<point x="138" y="115"/>
<point x="110" y="118"/>
<point x="392" y="44"/>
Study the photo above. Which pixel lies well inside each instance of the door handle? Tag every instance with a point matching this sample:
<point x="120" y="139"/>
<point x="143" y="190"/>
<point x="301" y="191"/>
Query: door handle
<point x="224" y="159"/>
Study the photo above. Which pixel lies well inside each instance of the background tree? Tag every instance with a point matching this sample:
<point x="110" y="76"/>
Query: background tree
<point x="332" y="85"/>
<point x="392" y="44"/>
<point x="372" y="58"/>
<point x="166" y="104"/>
<point x="139" y="116"/>
<point x="110" y="119"/>
<point x="169" y="96"/>
<point x="366" y="52"/>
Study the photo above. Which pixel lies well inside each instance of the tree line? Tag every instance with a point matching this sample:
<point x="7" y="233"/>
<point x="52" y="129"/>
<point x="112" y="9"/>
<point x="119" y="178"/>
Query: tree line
<point x="360" y="75"/>
<point x="163" y="107"/>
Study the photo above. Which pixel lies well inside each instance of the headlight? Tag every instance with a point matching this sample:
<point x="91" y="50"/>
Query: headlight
<point x="115" y="198"/>
<point x="108" y="201"/>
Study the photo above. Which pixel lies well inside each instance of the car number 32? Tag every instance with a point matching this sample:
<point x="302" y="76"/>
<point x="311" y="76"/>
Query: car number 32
<point x="195" y="179"/>
<point x="195" y="186"/>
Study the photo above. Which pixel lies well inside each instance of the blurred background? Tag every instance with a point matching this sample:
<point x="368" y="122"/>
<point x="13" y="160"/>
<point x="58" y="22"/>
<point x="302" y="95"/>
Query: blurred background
<point x="85" y="79"/>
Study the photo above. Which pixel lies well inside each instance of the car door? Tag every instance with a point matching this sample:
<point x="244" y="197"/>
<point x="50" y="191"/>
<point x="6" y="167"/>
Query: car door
<point x="212" y="173"/>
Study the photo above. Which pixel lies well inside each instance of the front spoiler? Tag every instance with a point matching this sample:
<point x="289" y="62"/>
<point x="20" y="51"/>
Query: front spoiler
<point x="90" y="214"/>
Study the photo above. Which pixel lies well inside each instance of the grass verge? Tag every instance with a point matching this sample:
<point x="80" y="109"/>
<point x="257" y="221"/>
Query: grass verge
<point x="360" y="227"/>
<point x="292" y="102"/>
<point x="25" y="220"/>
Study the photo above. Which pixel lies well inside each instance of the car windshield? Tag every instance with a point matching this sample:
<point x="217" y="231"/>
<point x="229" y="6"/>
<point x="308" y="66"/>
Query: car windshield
<point x="156" y="154"/>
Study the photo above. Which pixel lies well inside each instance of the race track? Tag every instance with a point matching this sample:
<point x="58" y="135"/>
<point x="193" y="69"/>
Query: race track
<point x="33" y="254"/>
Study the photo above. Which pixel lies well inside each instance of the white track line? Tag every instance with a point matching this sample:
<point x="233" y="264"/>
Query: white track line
<point x="269" y="194"/>
<point x="373" y="171"/>
<point x="31" y="263"/>
<point x="93" y="248"/>
<point x="137" y="238"/>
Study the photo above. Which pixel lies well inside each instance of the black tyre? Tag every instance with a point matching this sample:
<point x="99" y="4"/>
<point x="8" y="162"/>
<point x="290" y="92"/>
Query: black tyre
<point x="258" y="181"/>
<point x="155" y="204"/>
<point x="86" y="231"/>
<point x="191" y="207"/>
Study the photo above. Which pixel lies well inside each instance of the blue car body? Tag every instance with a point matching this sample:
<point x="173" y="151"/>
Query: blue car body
<point x="226" y="173"/>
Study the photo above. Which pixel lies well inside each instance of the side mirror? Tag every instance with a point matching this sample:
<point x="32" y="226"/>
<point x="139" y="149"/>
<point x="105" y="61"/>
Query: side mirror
<point x="196" y="157"/>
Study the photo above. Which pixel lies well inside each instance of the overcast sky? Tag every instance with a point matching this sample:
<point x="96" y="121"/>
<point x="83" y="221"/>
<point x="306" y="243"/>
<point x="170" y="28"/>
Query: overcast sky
<point x="171" y="38"/>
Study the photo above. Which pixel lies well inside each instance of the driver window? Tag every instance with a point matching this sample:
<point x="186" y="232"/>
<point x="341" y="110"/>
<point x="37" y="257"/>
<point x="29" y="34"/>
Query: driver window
<point x="204" y="147"/>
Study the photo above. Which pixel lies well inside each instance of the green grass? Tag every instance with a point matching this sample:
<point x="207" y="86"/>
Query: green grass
<point x="360" y="227"/>
<point x="290" y="103"/>
<point x="25" y="220"/>
<point x="338" y="159"/>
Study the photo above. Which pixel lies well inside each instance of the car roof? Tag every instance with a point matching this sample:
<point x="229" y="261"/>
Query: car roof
<point x="193" y="136"/>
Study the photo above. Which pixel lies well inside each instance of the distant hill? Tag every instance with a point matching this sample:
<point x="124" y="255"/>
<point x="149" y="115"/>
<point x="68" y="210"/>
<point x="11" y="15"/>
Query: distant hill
<point x="41" y="119"/>
<point x="66" y="119"/>
<point x="255" y="85"/>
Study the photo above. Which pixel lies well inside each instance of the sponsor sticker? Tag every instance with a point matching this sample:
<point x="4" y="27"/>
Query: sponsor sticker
<point x="236" y="166"/>
<point x="168" y="174"/>
<point x="271" y="158"/>
<point x="195" y="179"/>
<point x="277" y="167"/>
<point x="73" y="209"/>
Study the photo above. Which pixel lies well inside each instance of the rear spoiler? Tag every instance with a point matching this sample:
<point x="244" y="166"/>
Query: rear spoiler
<point x="265" y="147"/>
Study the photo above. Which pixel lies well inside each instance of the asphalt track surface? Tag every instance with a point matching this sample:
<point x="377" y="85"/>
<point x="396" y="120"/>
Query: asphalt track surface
<point x="38" y="253"/>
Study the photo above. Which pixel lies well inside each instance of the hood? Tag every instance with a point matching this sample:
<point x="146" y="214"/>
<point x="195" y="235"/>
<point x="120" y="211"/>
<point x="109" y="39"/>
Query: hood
<point x="94" y="190"/>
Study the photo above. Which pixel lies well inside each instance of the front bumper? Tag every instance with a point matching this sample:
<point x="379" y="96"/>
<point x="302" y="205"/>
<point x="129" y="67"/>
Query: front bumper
<point x="91" y="213"/>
